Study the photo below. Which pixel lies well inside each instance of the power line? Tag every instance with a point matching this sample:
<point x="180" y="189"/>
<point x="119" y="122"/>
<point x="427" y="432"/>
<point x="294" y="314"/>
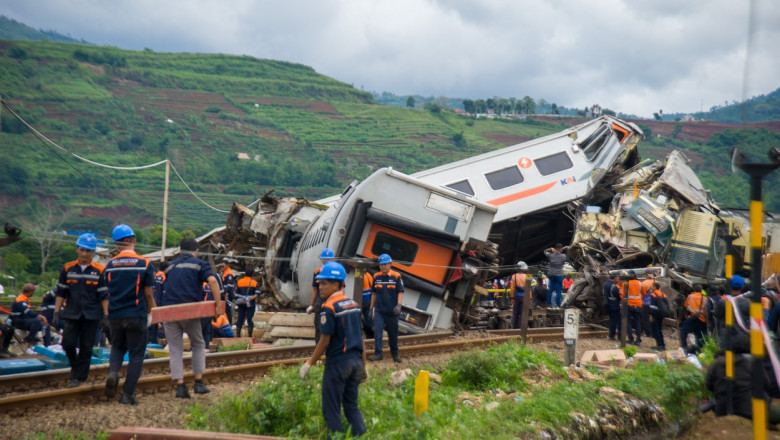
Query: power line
<point x="46" y="141"/>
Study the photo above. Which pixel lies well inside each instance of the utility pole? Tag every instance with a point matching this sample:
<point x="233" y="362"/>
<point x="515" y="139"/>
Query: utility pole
<point x="165" y="209"/>
<point x="757" y="171"/>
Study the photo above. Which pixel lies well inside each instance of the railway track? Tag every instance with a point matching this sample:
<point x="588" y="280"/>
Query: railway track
<point x="229" y="366"/>
<point x="54" y="379"/>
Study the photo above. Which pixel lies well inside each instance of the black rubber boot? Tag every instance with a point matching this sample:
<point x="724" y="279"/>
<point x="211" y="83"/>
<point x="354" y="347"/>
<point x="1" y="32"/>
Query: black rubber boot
<point x="181" y="391"/>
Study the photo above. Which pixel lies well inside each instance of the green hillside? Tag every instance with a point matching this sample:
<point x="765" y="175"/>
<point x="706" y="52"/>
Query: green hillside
<point x="306" y="134"/>
<point x="13" y="30"/>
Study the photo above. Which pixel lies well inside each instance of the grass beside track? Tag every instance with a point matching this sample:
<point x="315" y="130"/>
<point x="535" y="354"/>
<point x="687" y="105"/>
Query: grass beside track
<point x="542" y="399"/>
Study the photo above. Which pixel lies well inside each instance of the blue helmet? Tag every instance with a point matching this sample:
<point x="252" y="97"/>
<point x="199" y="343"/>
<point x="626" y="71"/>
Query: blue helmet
<point x="737" y="282"/>
<point x="385" y="259"/>
<point x="122" y="231"/>
<point x="332" y="271"/>
<point x="327" y="254"/>
<point x="87" y="241"/>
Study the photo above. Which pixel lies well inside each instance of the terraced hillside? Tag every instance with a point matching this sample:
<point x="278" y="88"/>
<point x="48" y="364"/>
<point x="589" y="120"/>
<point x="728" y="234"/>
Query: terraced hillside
<point x="305" y="134"/>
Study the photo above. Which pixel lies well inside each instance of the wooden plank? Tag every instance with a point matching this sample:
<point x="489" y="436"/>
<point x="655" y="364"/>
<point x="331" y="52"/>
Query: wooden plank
<point x="292" y="320"/>
<point x="232" y="341"/>
<point x="292" y="332"/>
<point x="180" y="312"/>
<point x="144" y="433"/>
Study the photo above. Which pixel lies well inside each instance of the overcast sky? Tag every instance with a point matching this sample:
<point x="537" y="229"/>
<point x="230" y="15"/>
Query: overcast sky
<point x="629" y="56"/>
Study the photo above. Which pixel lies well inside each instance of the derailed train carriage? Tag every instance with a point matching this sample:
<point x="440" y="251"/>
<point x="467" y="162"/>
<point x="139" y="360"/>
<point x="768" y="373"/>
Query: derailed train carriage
<point x="447" y="228"/>
<point x="436" y="236"/>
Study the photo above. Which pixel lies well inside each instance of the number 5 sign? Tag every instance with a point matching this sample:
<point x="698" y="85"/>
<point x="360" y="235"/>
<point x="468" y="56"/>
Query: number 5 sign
<point x="571" y="323"/>
<point x="571" y="331"/>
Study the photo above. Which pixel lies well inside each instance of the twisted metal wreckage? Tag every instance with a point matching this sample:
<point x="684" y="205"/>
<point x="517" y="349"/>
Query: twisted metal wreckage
<point x="452" y="228"/>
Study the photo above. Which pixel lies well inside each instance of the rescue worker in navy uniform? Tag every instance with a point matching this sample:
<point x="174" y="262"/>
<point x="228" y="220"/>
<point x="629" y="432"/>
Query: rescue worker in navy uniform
<point x="159" y="286"/>
<point x="315" y="303"/>
<point x="47" y="308"/>
<point x="25" y="318"/>
<point x="368" y="322"/>
<point x="386" y="298"/>
<point x="6" y="334"/>
<point x="128" y="280"/>
<point x="247" y="291"/>
<point x="342" y="343"/>
<point x="613" y="294"/>
<point x="77" y="289"/>
<point x="228" y="288"/>
<point x="205" y="323"/>
<point x="184" y="284"/>
<point x="659" y="307"/>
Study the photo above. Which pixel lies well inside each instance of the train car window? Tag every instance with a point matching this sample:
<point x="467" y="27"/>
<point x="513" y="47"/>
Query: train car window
<point x="593" y="144"/>
<point x="553" y="163"/>
<point x="402" y="251"/>
<point x="504" y="178"/>
<point x="463" y="186"/>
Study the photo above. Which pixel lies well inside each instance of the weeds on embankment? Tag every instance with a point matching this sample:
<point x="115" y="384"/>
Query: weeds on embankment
<point x="506" y="391"/>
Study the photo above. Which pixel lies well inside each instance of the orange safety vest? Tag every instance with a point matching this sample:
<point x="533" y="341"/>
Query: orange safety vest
<point x="694" y="303"/>
<point x="647" y="286"/>
<point x="518" y="283"/>
<point x="634" y="293"/>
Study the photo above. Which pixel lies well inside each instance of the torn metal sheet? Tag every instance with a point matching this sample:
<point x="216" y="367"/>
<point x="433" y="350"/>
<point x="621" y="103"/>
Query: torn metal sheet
<point x="682" y="179"/>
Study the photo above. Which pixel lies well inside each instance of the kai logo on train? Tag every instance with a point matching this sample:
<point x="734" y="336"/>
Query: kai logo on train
<point x="525" y="162"/>
<point x="568" y="180"/>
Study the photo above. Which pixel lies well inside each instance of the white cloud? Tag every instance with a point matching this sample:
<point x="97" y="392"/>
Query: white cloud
<point x="632" y="56"/>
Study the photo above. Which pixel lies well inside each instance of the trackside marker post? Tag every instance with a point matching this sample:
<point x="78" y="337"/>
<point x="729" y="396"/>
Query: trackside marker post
<point x="421" y="393"/>
<point x="571" y="332"/>
<point x="757" y="171"/>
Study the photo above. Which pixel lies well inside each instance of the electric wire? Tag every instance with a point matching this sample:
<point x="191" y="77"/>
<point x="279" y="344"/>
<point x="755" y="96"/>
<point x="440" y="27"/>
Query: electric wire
<point x="48" y="142"/>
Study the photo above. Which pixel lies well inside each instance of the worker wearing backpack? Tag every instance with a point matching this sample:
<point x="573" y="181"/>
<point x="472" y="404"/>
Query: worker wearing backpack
<point x="659" y="309"/>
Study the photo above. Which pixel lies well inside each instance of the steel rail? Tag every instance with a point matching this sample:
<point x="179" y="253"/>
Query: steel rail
<point x="52" y="379"/>
<point x="22" y="404"/>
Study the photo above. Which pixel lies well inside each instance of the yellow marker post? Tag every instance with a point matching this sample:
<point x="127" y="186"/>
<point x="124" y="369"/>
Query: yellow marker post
<point x="421" y="393"/>
<point x="757" y="171"/>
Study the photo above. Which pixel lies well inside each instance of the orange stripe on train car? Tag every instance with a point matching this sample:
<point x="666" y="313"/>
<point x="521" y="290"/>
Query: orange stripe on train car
<point x="521" y="195"/>
<point x="431" y="261"/>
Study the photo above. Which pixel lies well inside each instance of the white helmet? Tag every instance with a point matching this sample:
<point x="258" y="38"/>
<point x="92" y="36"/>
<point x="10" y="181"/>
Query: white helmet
<point x="521" y="265"/>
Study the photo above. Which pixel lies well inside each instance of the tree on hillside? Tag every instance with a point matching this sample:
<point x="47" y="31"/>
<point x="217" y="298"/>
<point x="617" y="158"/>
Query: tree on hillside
<point x="480" y="106"/>
<point x="44" y="226"/>
<point x="555" y="110"/>
<point x="410" y="102"/>
<point x="469" y="107"/>
<point x="529" y="104"/>
<point x="16" y="263"/>
<point x="491" y="103"/>
<point x="433" y="108"/>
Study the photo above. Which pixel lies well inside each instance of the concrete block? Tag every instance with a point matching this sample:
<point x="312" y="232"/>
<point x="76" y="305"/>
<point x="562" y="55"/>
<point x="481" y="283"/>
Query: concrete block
<point x="292" y="332"/>
<point x="292" y="320"/>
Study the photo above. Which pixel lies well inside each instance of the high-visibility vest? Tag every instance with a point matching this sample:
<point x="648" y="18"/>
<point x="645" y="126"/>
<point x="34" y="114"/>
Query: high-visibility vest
<point x="634" y="293"/>
<point x="695" y="304"/>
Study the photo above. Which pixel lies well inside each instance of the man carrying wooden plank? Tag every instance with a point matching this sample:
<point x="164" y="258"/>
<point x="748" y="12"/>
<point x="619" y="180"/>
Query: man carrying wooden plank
<point x="184" y="284"/>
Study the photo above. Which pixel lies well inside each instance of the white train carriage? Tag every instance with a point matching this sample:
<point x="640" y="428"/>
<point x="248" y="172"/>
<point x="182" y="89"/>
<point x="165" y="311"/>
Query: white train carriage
<point x="530" y="183"/>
